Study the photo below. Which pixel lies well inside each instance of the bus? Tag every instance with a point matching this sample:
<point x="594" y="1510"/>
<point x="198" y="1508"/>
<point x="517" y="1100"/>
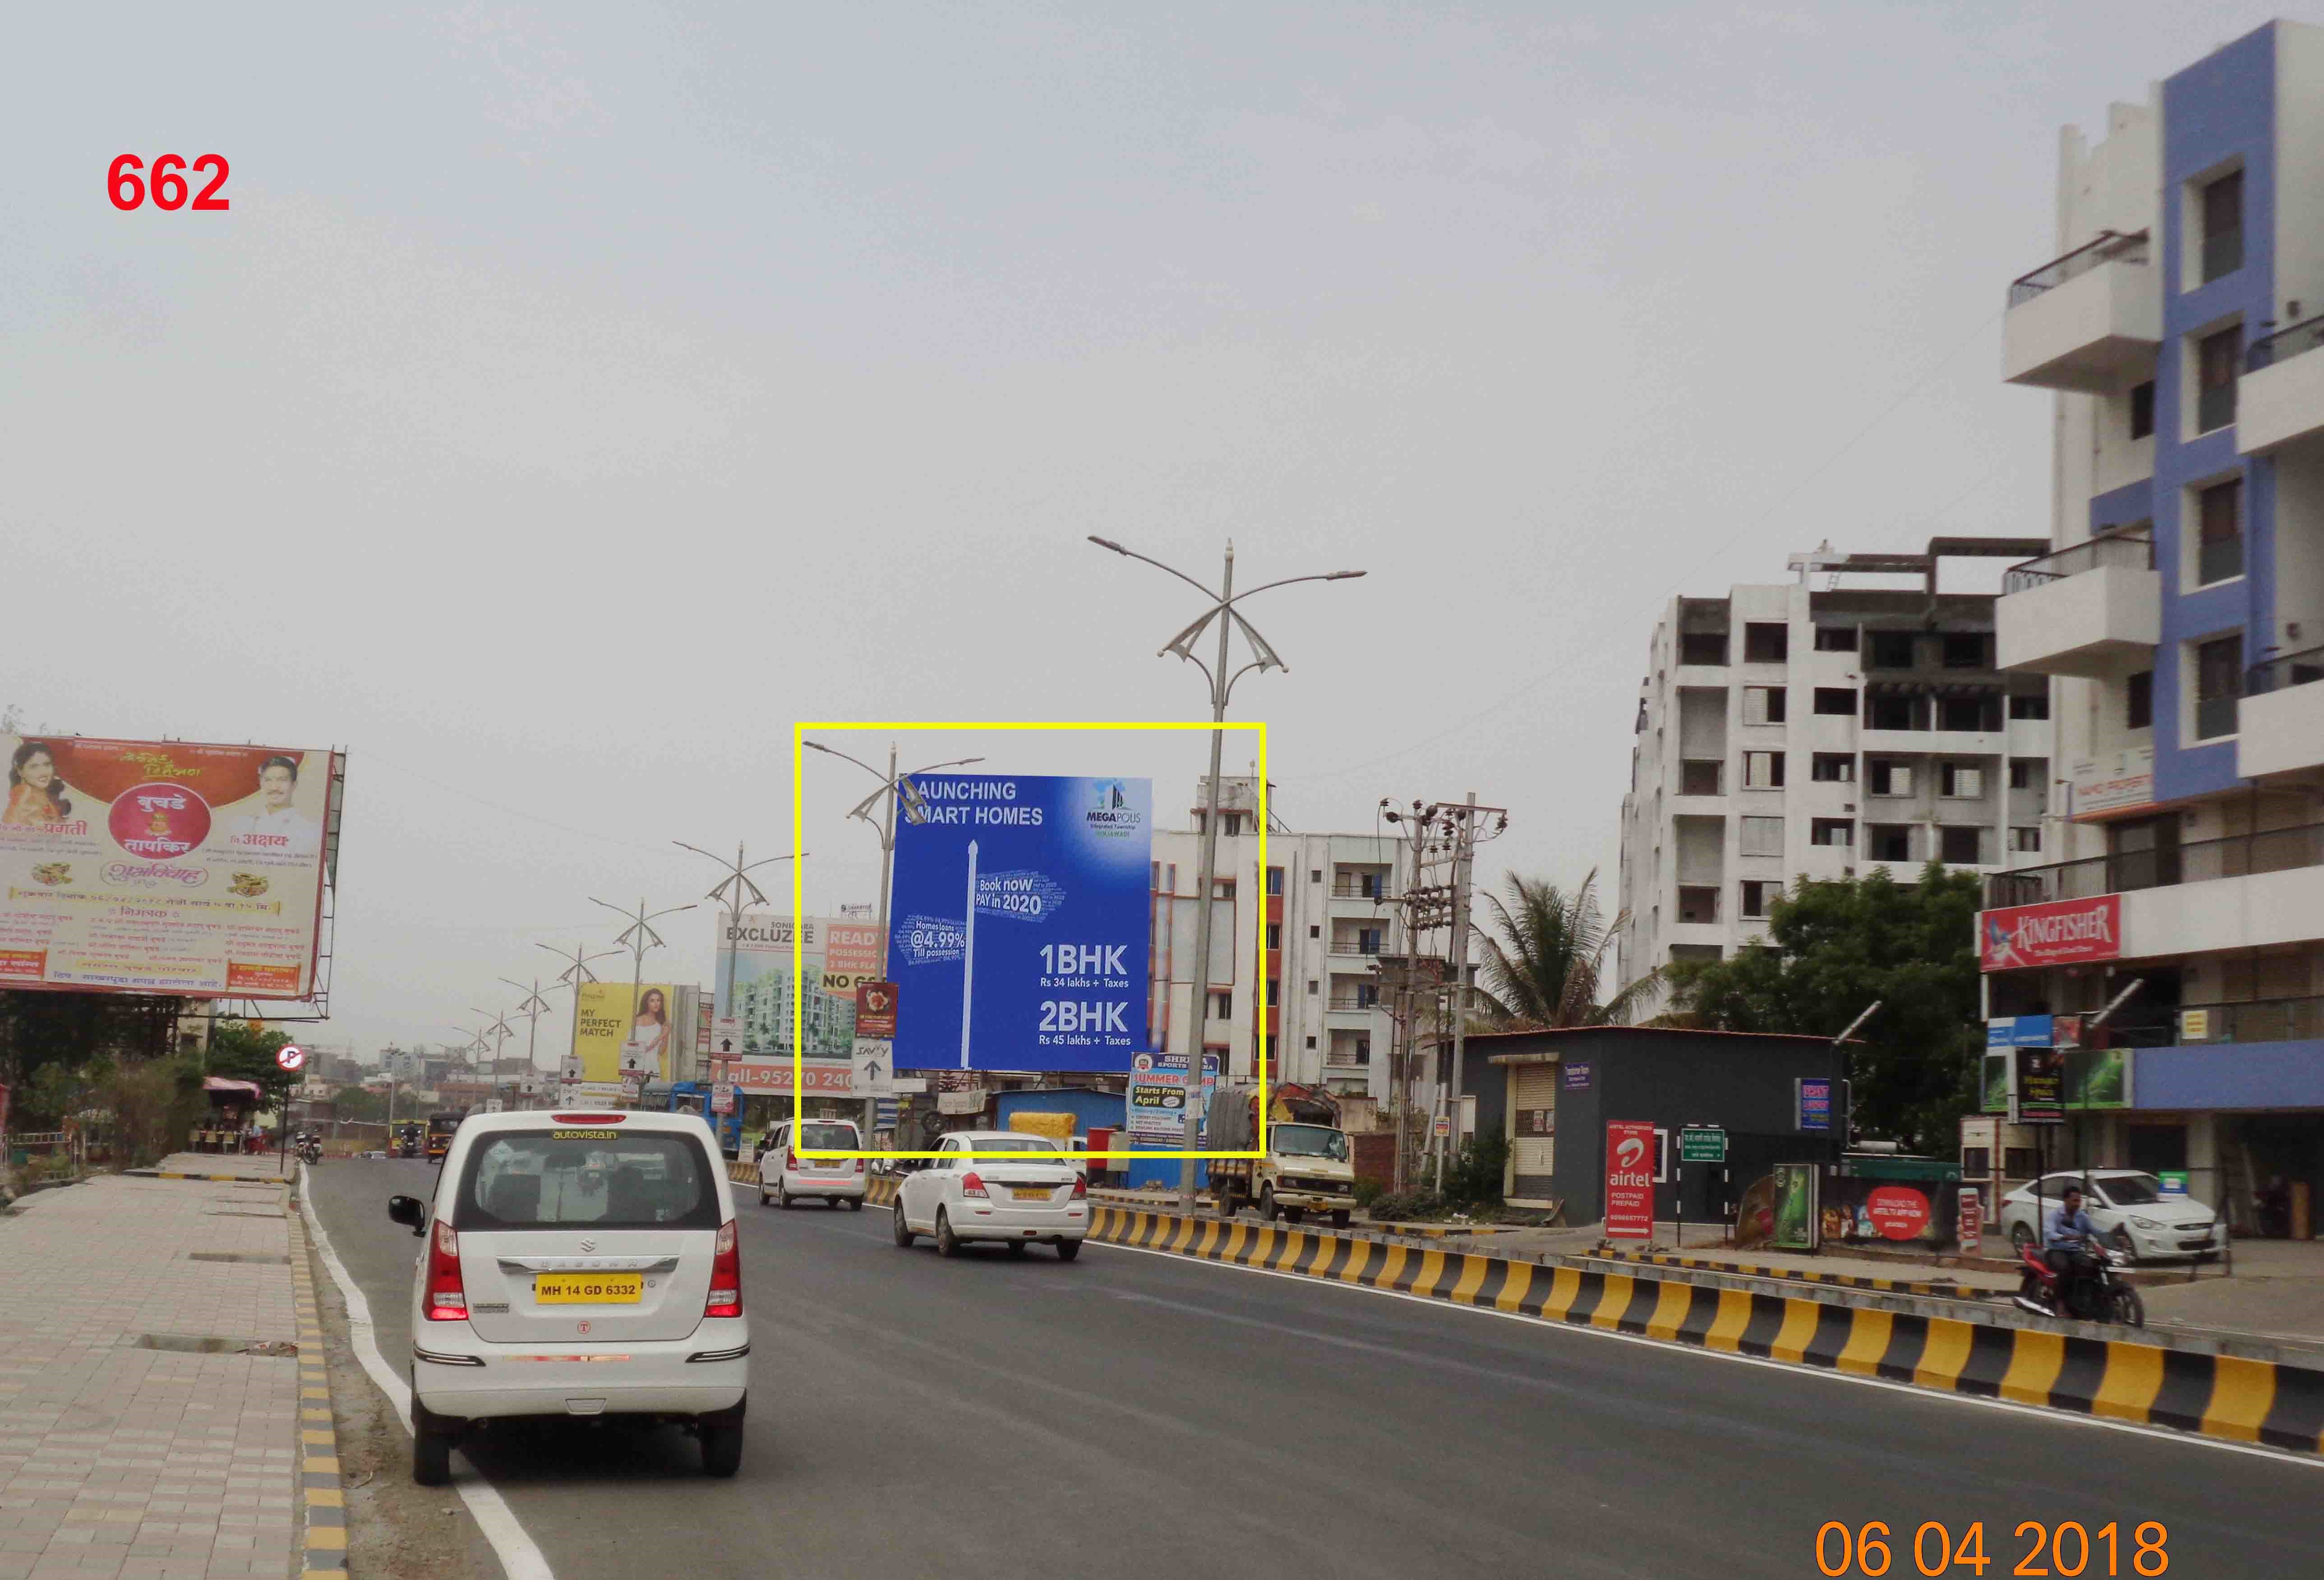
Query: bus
<point x="440" y="1127"/>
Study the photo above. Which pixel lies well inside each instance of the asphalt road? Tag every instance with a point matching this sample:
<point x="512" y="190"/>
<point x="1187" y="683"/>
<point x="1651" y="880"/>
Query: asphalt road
<point x="1139" y="1416"/>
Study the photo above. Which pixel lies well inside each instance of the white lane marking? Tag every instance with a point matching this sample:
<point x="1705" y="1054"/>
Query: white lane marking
<point x="520" y="1559"/>
<point x="2033" y="1411"/>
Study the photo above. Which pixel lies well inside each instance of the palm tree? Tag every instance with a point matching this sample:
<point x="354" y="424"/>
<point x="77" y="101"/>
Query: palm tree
<point x="1543" y="968"/>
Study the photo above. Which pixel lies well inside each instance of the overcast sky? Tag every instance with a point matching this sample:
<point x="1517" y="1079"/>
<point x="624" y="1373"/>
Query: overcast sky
<point x="573" y="397"/>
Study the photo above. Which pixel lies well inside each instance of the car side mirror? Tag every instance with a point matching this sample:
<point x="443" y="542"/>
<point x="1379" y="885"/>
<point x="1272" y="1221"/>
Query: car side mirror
<point x="410" y="1210"/>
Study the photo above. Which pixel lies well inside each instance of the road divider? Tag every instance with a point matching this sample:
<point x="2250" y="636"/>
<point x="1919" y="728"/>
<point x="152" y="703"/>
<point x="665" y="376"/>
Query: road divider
<point x="1940" y="1289"/>
<point x="2223" y="1397"/>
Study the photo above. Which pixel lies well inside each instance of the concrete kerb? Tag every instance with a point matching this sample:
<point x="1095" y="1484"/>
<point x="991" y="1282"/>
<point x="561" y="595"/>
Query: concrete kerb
<point x="322" y="1495"/>
<point x="2206" y="1388"/>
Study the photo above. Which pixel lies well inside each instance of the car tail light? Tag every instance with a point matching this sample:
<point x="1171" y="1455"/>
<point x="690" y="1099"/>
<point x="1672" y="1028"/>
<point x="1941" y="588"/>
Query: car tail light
<point x="588" y="1118"/>
<point x="791" y="1160"/>
<point x="448" y="1298"/>
<point x="1081" y="1187"/>
<point x="725" y="1275"/>
<point x="859" y="1165"/>
<point x="972" y="1184"/>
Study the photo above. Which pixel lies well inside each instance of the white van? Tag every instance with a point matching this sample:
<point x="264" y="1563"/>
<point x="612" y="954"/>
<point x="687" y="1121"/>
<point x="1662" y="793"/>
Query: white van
<point x="576" y="1264"/>
<point x="785" y="1177"/>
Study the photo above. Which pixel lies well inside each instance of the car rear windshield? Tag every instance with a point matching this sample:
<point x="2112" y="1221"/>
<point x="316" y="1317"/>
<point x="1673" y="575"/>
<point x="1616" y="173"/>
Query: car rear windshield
<point x="1041" y="1145"/>
<point x="586" y="1178"/>
<point x="828" y="1138"/>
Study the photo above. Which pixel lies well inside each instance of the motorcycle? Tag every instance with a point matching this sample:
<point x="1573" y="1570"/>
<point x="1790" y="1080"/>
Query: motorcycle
<point x="2093" y="1291"/>
<point x="310" y="1150"/>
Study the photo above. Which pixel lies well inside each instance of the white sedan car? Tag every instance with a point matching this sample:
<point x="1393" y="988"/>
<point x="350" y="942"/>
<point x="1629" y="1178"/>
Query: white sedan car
<point x="2132" y="1214"/>
<point x="1033" y="1193"/>
<point x="576" y="1264"/>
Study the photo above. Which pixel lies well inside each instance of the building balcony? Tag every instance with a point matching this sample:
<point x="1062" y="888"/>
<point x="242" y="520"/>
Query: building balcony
<point x="2089" y="322"/>
<point x="1371" y="951"/>
<point x="1348" y="1004"/>
<point x="2281" y="400"/>
<point x="2280" y="718"/>
<point x="2092" y="610"/>
<point x="2294" y="1020"/>
<point x="2238" y="856"/>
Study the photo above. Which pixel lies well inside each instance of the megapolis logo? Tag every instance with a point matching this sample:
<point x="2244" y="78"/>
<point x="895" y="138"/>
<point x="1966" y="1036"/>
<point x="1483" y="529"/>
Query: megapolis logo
<point x="154" y="875"/>
<point x="1110" y="813"/>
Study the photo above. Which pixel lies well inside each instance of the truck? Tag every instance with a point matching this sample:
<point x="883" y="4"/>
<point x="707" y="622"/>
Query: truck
<point x="1309" y="1166"/>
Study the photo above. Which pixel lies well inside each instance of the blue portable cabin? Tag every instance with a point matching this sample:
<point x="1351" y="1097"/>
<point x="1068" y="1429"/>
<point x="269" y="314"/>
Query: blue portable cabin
<point x="694" y="1097"/>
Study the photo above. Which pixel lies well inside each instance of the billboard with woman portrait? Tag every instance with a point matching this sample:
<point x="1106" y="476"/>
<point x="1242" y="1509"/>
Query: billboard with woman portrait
<point x="165" y="866"/>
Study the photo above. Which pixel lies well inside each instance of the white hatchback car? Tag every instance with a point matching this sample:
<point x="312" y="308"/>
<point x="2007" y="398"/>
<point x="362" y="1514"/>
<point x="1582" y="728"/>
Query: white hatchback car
<point x="576" y="1264"/>
<point x="785" y="1177"/>
<point x="1034" y="1193"/>
<point x="2128" y="1206"/>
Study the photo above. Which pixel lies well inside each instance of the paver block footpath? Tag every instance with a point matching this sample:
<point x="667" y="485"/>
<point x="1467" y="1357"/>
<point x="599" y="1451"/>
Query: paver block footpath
<point x="173" y="1462"/>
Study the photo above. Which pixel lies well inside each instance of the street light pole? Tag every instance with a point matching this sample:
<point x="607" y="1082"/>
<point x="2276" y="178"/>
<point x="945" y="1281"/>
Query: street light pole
<point x="576" y="972"/>
<point x="891" y="785"/>
<point x="1263" y="656"/>
<point x="637" y="938"/>
<point x="533" y="1009"/>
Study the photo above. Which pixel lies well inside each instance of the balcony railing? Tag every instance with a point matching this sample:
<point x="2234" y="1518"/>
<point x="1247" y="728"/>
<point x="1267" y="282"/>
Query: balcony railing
<point x="2277" y="674"/>
<point x="1355" y="946"/>
<point x="2111" y="247"/>
<point x="2120" y="550"/>
<point x="2239" y="856"/>
<point x="1344" y="1002"/>
<point x="1346" y="891"/>
<point x="2245" y="1020"/>
<point x="2290" y="341"/>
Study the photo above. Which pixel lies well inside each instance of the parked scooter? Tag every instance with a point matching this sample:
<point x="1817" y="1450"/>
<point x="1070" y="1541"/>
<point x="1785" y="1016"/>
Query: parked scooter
<point x="2093" y="1291"/>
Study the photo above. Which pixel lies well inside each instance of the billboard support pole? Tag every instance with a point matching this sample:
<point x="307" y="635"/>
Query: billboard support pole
<point x="576" y="972"/>
<point x="968" y="957"/>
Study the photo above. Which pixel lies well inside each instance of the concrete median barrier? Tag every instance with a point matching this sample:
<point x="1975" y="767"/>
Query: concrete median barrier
<point x="2220" y="1396"/>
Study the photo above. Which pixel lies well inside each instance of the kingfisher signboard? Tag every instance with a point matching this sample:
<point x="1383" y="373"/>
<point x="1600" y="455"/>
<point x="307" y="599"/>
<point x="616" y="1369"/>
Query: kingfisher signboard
<point x="2059" y="933"/>
<point x="1021" y="923"/>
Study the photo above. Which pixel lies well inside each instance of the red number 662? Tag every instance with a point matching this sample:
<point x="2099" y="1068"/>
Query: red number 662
<point x="169" y="189"/>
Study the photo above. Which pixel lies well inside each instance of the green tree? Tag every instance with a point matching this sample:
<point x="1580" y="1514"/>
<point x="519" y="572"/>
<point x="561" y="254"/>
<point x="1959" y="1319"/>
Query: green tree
<point x="1833" y="948"/>
<point x="243" y="1050"/>
<point x="359" y="1103"/>
<point x="1544" y="958"/>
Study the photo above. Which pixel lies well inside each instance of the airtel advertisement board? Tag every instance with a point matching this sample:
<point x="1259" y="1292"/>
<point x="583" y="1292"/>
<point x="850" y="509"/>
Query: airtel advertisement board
<point x="2059" y="933"/>
<point x="1629" y="1179"/>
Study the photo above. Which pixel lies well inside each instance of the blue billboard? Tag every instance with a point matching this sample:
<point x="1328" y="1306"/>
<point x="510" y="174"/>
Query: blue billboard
<point x="1019" y="922"/>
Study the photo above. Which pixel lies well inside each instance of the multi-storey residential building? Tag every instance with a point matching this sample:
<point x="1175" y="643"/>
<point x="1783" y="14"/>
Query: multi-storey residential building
<point x="2181" y="616"/>
<point x="1821" y="731"/>
<point x="1314" y="925"/>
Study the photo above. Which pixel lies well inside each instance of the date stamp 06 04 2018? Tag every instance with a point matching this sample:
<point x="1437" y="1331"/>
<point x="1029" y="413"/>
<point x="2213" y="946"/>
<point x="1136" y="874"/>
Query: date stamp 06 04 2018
<point x="2067" y="1549"/>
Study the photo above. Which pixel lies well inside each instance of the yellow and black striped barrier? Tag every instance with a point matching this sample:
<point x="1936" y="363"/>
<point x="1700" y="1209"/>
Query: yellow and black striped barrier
<point x="322" y="1494"/>
<point x="878" y="1191"/>
<point x="2217" y="1396"/>
<point x="1938" y="1289"/>
<point x="215" y="1178"/>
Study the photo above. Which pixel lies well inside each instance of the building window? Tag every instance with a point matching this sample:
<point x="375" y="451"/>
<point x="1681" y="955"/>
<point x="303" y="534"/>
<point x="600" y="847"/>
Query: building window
<point x="2030" y="705"/>
<point x="2216" y="357"/>
<point x="1697" y="904"/>
<point x="2142" y="410"/>
<point x="1960" y="782"/>
<point x="2026" y="839"/>
<point x="1891" y="713"/>
<point x="1222" y="888"/>
<point x="1836" y="700"/>
<point x="2222" y="226"/>
<point x="1971" y="713"/>
<point x="1762" y="705"/>
<point x="1762" y="837"/>
<point x="1767" y="643"/>
<point x="1832" y="768"/>
<point x="1315" y="875"/>
<point x="1763" y="770"/>
<point x="2140" y="699"/>
<point x="1756" y="893"/>
<point x="1697" y="777"/>
<point x="1891" y="650"/>
<point x="1890" y="778"/>
<point x="1274" y="991"/>
<point x="2021" y="771"/>
<point x="1888" y="841"/>
<point x="1702" y="647"/>
<point x="1315" y="929"/>
<point x="1835" y="639"/>
<point x="2219" y="508"/>
<point x="1222" y="1006"/>
<point x="1310" y="987"/>
<point x="1679" y="952"/>
<point x="1274" y="880"/>
<point x="1960" y="847"/>
<point x="1965" y="650"/>
<point x="1311" y="1042"/>
<point x="1360" y="1051"/>
<point x="2219" y="681"/>
<point x="1231" y="824"/>
<point x="1835" y="831"/>
<point x="1275" y="935"/>
<point x="1367" y="994"/>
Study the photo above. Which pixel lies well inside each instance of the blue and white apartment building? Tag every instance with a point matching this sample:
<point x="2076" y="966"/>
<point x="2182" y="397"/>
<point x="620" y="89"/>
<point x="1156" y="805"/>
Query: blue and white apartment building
<point x="2180" y="616"/>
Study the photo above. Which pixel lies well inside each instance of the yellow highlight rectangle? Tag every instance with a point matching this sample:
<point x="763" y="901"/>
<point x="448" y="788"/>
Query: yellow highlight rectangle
<point x="799" y="728"/>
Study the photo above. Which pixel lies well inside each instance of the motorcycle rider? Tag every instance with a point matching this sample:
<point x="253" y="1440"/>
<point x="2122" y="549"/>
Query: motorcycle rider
<point x="2067" y="1236"/>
